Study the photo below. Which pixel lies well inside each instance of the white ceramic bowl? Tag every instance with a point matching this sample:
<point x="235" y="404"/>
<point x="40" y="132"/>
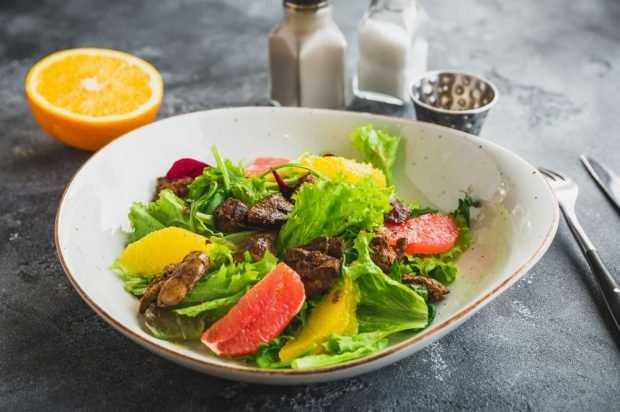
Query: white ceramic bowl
<point x="514" y="229"/>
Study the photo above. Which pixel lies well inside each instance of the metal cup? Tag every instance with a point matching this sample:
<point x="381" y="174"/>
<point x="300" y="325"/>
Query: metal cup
<point x="455" y="99"/>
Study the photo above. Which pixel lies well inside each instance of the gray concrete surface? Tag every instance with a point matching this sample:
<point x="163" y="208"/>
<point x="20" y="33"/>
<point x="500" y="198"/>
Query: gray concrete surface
<point x="545" y="344"/>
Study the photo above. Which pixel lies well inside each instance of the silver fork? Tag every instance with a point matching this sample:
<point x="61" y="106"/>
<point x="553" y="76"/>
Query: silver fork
<point x="566" y="190"/>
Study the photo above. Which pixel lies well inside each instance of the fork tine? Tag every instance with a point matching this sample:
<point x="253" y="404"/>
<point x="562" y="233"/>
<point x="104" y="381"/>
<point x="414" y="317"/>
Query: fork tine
<point x="558" y="176"/>
<point x="547" y="173"/>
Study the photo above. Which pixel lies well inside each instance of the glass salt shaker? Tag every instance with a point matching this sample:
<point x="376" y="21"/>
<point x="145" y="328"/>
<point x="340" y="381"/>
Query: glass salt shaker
<point x="307" y="53"/>
<point x="392" y="50"/>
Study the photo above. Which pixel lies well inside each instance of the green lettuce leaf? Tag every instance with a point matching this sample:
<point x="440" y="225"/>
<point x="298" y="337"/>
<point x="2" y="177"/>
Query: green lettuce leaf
<point x="432" y="267"/>
<point x="417" y="210"/>
<point x="441" y="266"/>
<point x="168" y="210"/>
<point x="215" y="185"/>
<point x="336" y="344"/>
<point x="225" y="174"/>
<point x="134" y="283"/>
<point x="251" y="190"/>
<point x="464" y="207"/>
<point x="385" y="304"/>
<point x="422" y="291"/>
<point x="209" y="190"/>
<point x="142" y="222"/>
<point x="463" y="242"/>
<point x="230" y="172"/>
<point x="268" y="357"/>
<point x="219" y="290"/>
<point x="331" y="207"/>
<point x="202" y="209"/>
<point x="221" y="304"/>
<point x="234" y="240"/>
<point x="377" y="147"/>
<point x="340" y="349"/>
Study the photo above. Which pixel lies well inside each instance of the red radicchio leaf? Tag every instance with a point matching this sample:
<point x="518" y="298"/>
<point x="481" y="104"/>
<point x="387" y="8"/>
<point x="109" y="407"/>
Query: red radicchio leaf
<point x="285" y="189"/>
<point x="185" y="167"/>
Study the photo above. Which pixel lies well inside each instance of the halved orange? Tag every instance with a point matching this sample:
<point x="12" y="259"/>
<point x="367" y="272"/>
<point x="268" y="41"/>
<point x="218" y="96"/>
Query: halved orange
<point x="87" y="97"/>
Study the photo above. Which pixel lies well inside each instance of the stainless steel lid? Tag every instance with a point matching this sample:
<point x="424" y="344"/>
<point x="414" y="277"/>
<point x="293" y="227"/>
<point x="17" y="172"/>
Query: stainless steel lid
<point x="305" y="4"/>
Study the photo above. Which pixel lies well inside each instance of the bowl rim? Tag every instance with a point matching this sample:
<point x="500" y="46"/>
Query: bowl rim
<point x="479" y="110"/>
<point x="438" y="330"/>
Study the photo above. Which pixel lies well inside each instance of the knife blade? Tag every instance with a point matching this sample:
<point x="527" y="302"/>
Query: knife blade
<point x="605" y="177"/>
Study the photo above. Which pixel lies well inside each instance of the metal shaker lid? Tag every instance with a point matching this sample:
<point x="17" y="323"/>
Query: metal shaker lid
<point x="306" y="4"/>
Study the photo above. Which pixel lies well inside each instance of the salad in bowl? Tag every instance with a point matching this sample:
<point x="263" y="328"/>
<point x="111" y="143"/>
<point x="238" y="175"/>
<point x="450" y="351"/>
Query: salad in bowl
<point x="291" y="263"/>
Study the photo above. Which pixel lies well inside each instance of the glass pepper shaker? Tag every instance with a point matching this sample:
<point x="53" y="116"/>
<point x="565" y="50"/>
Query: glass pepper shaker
<point x="392" y="50"/>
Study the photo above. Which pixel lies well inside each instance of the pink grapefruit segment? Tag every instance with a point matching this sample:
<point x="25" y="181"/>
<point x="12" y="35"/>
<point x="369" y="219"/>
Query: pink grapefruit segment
<point x="262" y="164"/>
<point x="259" y="316"/>
<point x="426" y="234"/>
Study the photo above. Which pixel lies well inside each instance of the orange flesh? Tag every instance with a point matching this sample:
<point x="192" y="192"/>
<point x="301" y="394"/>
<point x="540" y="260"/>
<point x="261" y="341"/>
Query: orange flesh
<point x="94" y="86"/>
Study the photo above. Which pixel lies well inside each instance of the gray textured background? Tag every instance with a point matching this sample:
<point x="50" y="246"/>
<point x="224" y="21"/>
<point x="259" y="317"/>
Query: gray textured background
<point x="544" y="344"/>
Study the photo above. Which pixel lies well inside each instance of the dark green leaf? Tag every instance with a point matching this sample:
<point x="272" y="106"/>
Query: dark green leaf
<point x="268" y="357"/>
<point x="419" y="211"/>
<point x="464" y="207"/>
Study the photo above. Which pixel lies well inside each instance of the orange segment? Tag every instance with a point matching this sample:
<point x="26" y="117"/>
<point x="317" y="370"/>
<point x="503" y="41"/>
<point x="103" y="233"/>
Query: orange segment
<point x="155" y="251"/>
<point x="87" y="97"/>
<point x="353" y="171"/>
<point x="334" y="314"/>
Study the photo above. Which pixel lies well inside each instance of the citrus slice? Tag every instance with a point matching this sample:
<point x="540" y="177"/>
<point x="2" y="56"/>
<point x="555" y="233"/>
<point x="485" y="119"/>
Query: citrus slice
<point x="333" y="315"/>
<point x="152" y="253"/>
<point x="427" y="234"/>
<point x="259" y="316"/>
<point x="353" y="171"/>
<point x="87" y="97"/>
<point x="262" y="164"/>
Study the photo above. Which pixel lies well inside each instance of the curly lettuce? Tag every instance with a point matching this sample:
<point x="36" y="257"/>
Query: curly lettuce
<point x="331" y="207"/>
<point x="377" y="147"/>
<point x="432" y="267"/>
<point x="168" y="210"/>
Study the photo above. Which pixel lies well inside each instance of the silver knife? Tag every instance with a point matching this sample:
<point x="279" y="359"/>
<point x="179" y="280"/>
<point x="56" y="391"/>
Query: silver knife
<point x="605" y="177"/>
